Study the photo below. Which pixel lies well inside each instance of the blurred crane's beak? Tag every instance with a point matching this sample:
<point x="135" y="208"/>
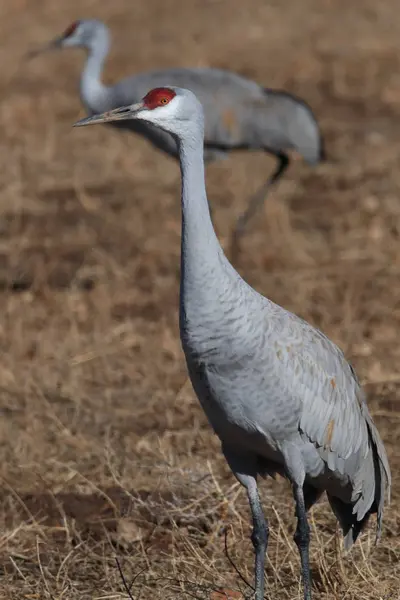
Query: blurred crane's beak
<point x="118" y="114"/>
<point x="53" y="45"/>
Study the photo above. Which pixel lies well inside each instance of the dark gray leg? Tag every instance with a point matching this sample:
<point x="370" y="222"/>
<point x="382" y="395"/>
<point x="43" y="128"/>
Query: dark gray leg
<point x="259" y="538"/>
<point x="256" y="202"/>
<point x="244" y="467"/>
<point x="302" y="538"/>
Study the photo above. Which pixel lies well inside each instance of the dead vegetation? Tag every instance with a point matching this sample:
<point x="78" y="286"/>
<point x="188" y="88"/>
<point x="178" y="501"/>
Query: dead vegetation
<point x="105" y="451"/>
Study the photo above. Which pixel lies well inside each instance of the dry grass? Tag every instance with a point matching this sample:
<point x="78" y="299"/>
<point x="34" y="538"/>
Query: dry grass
<point x="105" y="451"/>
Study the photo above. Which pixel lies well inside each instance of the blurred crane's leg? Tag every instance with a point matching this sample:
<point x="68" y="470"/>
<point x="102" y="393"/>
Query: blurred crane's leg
<point x="302" y="538"/>
<point x="256" y="203"/>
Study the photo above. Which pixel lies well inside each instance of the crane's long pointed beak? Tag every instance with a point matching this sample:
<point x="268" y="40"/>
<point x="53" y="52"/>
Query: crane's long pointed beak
<point x="122" y="113"/>
<point x="52" y="45"/>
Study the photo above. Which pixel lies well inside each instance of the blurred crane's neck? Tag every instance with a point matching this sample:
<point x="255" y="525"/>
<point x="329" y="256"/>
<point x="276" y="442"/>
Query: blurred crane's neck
<point x="94" y="94"/>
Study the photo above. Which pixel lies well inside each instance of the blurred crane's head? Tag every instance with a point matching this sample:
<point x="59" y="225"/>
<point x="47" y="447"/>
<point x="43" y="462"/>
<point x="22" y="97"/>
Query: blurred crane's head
<point x="86" y="33"/>
<point x="172" y="109"/>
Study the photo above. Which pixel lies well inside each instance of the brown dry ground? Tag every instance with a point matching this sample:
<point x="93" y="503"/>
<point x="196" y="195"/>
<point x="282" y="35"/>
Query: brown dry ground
<point x="104" y="449"/>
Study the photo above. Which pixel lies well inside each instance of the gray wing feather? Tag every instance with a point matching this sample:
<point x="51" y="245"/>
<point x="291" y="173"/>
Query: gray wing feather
<point x="334" y="416"/>
<point x="332" y="403"/>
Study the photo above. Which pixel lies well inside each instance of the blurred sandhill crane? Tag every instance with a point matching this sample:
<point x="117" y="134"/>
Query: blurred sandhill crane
<point x="279" y="394"/>
<point x="239" y="113"/>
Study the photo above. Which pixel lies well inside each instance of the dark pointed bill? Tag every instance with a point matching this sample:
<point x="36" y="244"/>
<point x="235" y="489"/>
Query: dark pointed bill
<point x="52" y="45"/>
<point x="118" y="114"/>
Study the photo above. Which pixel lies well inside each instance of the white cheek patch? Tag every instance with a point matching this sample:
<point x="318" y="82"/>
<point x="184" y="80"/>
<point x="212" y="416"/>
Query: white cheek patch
<point x="161" y="113"/>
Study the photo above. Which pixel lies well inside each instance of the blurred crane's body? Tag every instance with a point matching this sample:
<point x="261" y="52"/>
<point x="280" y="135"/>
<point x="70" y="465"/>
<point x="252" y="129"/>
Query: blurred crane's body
<point x="279" y="394"/>
<point x="239" y="113"/>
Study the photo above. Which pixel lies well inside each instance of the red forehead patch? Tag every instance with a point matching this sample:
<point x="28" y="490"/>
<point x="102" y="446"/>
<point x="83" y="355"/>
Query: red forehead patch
<point x="70" y="29"/>
<point x="158" y="97"/>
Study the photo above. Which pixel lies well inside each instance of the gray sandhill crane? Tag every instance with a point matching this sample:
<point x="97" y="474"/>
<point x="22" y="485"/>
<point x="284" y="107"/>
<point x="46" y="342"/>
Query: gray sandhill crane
<point x="239" y="113"/>
<point x="279" y="394"/>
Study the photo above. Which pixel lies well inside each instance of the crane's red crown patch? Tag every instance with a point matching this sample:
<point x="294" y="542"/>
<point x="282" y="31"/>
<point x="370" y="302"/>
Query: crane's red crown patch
<point x="158" y="97"/>
<point x="71" y="29"/>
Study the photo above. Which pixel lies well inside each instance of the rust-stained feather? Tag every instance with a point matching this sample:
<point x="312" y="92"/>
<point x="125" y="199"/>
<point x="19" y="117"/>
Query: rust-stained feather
<point x="329" y="432"/>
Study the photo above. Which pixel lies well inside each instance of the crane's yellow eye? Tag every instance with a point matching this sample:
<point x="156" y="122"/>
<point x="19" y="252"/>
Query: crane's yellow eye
<point x="163" y="100"/>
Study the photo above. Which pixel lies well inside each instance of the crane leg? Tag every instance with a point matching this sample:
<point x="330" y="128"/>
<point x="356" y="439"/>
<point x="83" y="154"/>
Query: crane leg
<point x="255" y="203"/>
<point x="244" y="467"/>
<point x="302" y="538"/>
<point x="259" y="538"/>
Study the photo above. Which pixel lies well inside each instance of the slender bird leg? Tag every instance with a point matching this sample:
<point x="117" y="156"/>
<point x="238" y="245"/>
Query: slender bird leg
<point x="255" y="203"/>
<point x="302" y="538"/>
<point x="259" y="538"/>
<point x="244" y="468"/>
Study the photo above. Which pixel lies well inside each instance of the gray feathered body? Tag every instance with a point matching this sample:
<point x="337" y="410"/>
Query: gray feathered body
<point x="239" y="114"/>
<point x="278" y="390"/>
<point x="279" y="394"/>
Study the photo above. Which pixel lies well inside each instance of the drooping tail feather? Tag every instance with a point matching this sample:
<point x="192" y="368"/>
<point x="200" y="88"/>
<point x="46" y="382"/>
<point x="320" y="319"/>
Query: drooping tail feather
<point x="374" y="480"/>
<point x="348" y="520"/>
<point x="299" y="126"/>
<point x="382" y="471"/>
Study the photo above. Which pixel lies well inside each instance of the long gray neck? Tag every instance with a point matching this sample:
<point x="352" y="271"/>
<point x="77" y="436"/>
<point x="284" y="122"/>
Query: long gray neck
<point x="203" y="262"/>
<point x="94" y="94"/>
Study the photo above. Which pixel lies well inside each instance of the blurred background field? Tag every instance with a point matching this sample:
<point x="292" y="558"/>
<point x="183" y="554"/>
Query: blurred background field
<point x="104" y="449"/>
